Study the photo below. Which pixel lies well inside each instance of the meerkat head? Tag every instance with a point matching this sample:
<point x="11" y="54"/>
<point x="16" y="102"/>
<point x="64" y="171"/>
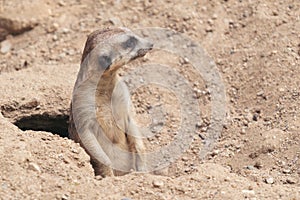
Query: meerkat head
<point x="107" y="50"/>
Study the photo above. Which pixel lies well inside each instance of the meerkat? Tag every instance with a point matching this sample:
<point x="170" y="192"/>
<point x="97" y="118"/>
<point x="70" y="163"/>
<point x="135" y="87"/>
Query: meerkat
<point x="104" y="125"/>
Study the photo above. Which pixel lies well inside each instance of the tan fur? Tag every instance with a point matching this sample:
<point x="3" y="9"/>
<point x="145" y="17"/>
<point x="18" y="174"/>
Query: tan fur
<point x="113" y="117"/>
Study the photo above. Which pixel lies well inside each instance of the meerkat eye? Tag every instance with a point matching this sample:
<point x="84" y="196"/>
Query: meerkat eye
<point x="104" y="61"/>
<point x="130" y="43"/>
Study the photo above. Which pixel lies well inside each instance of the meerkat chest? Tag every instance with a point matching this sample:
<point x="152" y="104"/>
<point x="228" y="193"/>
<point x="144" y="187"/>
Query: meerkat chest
<point x="108" y="121"/>
<point x="111" y="104"/>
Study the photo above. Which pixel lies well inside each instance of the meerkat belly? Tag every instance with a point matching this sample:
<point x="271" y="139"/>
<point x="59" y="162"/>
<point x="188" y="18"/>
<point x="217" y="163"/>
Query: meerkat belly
<point x="116" y="136"/>
<point x="113" y="131"/>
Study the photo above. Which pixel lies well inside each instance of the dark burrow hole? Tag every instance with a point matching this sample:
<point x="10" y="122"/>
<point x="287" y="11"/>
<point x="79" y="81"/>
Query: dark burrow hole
<point x="57" y="124"/>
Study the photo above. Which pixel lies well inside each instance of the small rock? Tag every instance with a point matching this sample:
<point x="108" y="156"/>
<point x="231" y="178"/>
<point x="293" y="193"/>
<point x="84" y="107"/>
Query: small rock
<point x="286" y="171"/>
<point x="186" y="18"/>
<point x="243" y="131"/>
<point x="260" y="93"/>
<point x="248" y="192"/>
<point x="184" y="60"/>
<point x="198" y="125"/>
<point x="255" y="117"/>
<point x="210" y="21"/>
<point x="204" y="8"/>
<point x="291" y="180"/>
<point x="215" y="152"/>
<point x="274" y="52"/>
<point x="184" y="159"/>
<point x="258" y="165"/>
<point x="249" y="117"/>
<point x="61" y="3"/>
<point x="250" y="167"/>
<point x="5" y="46"/>
<point x="245" y="122"/>
<point x="54" y="38"/>
<point x="52" y="28"/>
<point x="132" y="192"/>
<point x="64" y="197"/>
<point x="31" y="104"/>
<point x="65" y="30"/>
<point x="74" y="151"/>
<point x="187" y="170"/>
<point x="209" y="29"/>
<point x="215" y="16"/>
<point x="98" y="177"/>
<point x="135" y="19"/>
<point x="34" y="167"/>
<point x="269" y="180"/>
<point x="158" y="183"/>
<point x="115" y="21"/>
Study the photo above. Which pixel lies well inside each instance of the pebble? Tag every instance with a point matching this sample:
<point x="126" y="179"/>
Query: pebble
<point x="158" y="183"/>
<point x="65" y="197"/>
<point x="209" y="29"/>
<point x="258" y="165"/>
<point x="34" y="167"/>
<point x="250" y="167"/>
<point x="184" y="158"/>
<point x="52" y="28"/>
<point x="115" y="21"/>
<point x="198" y="124"/>
<point x="65" y="30"/>
<point x="215" y="152"/>
<point x="243" y="131"/>
<point x="248" y="192"/>
<point x="98" y="178"/>
<point x="227" y="179"/>
<point x="260" y="93"/>
<point x="269" y="180"/>
<point x="215" y="16"/>
<point x="184" y="60"/>
<point x="286" y="171"/>
<point x="291" y="180"/>
<point x="210" y="21"/>
<point x="135" y="19"/>
<point x="5" y="46"/>
<point x="31" y="104"/>
<point x="54" y="38"/>
<point x="61" y="3"/>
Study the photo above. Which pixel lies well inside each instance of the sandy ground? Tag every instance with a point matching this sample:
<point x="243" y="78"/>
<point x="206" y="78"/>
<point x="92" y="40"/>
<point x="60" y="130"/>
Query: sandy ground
<point x="256" y="48"/>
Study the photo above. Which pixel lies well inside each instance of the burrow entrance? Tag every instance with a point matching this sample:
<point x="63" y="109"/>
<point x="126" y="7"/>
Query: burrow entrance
<point x="21" y="115"/>
<point x="57" y="124"/>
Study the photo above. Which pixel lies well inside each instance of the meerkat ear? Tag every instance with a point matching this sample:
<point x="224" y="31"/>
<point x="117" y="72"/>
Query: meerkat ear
<point x="104" y="61"/>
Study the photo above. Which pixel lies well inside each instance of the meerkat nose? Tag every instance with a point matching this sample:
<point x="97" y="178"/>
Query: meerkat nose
<point x="148" y="47"/>
<point x="142" y="52"/>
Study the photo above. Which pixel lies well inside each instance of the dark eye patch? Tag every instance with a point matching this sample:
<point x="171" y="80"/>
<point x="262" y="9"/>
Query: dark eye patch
<point x="130" y="43"/>
<point x="104" y="61"/>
